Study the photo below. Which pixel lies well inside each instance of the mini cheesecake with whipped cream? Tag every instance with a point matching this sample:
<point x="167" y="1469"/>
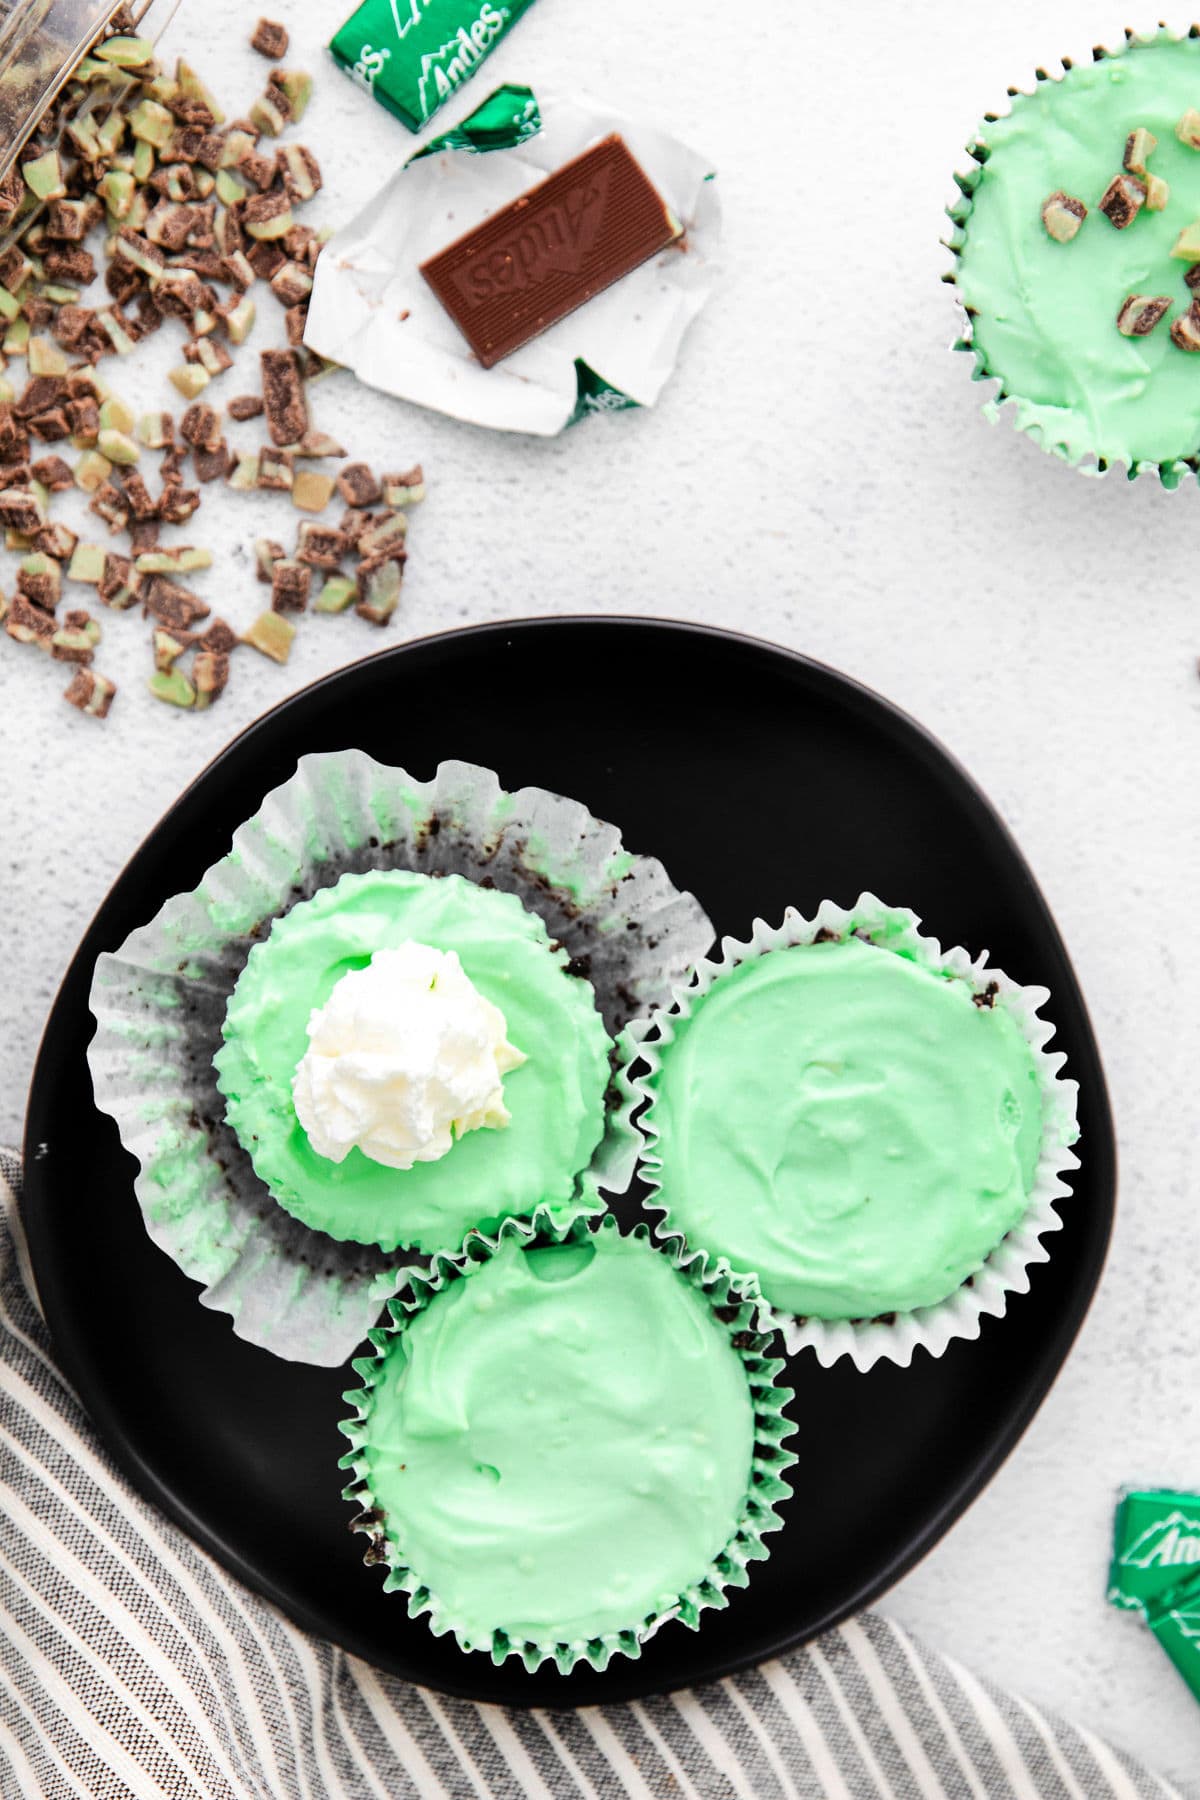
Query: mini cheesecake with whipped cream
<point x="406" y="1057"/>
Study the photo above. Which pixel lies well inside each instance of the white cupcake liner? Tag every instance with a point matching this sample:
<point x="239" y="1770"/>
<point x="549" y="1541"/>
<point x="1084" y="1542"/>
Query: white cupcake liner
<point x="160" y="999"/>
<point x="1026" y="416"/>
<point x="735" y="1304"/>
<point x="894" y="1337"/>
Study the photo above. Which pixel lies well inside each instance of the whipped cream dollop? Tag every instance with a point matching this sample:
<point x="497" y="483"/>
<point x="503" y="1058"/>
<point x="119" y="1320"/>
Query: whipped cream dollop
<point x="405" y="1056"/>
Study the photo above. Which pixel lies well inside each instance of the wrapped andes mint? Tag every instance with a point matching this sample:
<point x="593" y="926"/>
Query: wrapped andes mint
<point x="538" y="263"/>
<point x="411" y="55"/>
<point x="1156" y="1543"/>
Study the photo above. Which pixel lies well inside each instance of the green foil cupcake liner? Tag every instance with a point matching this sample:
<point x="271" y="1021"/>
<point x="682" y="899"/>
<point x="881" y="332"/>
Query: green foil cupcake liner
<point x="1026" y="416"/>
<point x="159" y="1003"/>
<point x="735" y="1303"/>
<point x="894" y="1337"/>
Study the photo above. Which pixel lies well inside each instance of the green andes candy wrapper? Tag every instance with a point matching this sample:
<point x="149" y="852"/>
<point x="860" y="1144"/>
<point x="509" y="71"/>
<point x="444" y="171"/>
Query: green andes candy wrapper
<point x="412" y="55"/>
<point x="1174" y="1618"/>
<point x="1156" y="1538"/>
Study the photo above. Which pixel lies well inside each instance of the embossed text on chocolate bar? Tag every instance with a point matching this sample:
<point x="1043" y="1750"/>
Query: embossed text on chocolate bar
<point x="547" y="252"/>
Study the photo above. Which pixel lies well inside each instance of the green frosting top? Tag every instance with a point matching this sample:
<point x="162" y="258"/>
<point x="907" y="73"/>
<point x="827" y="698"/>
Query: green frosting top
<point x="847" y="1124"/>
<point x="561" y="1442"/>
<point x="1045" y="311"/>
<point x="555" y="1098"/>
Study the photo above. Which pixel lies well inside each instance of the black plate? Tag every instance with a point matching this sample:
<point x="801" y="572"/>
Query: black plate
<point x="760" y="779"/>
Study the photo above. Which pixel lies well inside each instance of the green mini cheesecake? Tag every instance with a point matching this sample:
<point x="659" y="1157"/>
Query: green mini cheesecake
<point x="1075" y="239"/>
<point x="858" y="1130"/>
<point x="563" y="1443"/>
<point x="553" y="1110"/>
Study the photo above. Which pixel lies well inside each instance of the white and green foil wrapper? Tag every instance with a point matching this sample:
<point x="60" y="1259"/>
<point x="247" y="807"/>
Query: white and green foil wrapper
<point x="414" y="55"/>
<point x="372" y="311"/>
<point x="897" y="1336"/>
<point x="735" y="1304"/>
<point x="160" y="999"/>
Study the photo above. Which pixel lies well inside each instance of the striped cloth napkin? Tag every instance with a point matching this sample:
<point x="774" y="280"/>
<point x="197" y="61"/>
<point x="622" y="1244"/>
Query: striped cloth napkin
<point x="132" y="1665"/>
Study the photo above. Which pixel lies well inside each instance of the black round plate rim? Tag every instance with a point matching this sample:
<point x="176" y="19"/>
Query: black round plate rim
<point x="1102" y="1152"/>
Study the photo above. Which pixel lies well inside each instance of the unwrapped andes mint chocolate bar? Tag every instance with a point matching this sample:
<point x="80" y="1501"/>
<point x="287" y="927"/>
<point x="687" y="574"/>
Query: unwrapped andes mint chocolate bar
<point x="551" y="249"/>
<point x="413" y="54"/>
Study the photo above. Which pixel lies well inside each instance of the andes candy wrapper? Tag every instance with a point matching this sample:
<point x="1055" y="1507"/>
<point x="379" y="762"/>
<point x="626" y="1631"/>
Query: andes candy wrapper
<point x="411" y="55"/>
<point x="1156" y="1541"/>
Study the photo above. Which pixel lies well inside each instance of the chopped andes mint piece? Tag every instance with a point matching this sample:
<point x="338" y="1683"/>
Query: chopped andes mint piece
<point x="143" y="535"/>
<point x="53" y="473"/>
<point x="39" y="578"/>
<point x="51" y="427"/>
<point x="299" y="171"/>
<point x="45" y="357"/>
<point x="116" y="587"/>
<point x="83" y="416"/>
<point x="200" y="427"/>
<point x="1188" y="129"/>
<point x="354" y="525"/>
<point x="312" y="491"/>
<point x="87" y="563"/>
<point x="244" y="406"/>
<point x="267" y="216"/>
<point x="178" y="504"/>
<point x="118" y="446"/>
<point x="269" y="39"/>
<point x="272" y="634"/>
<point x="385" y="535"/>
<point x="1123" y="200"/>
<point x="115" y="415"/>
<point x="210" y="673"/>
<point x="1187" y="245"/>
<point x="26" y="623"/>
<point x="291" y="584"/>
<point x="167" y="648"/>
<point x="40" y="394"/>
<point x="219" y="637"/>
<point x="43" y="177"/>
<point x="1141" y="313"/>
<point x="72" y="644"/>
<point x="265" y="258"/>
<point x="297" y="85"/>
<point x="284" y="400"/>
<point x="156" y="430"/>
<point x="180" y="559"/>
<point x="142" y="502"/>
<point x="1191" y="277"/>
<point x="321" y="546"/>
<point x="21" y="508"/>
<point x="56" y="540"/>
<point x="210" y="354"/>
<point x="174" y="606"/>
<point x="378" y="583"/>
<point x="91" y="693"/>
<point x="1139" y="147"/>
<point x="172" y="686"/>
<point x="244" y="474"/>
<point x="109" y="503"/>
<point x="213" y="465"/>
<point x="1185" y="330"/>
<point x="290" y="283"/>
<point x="80" y="619"/>
<point x="405" y="489"/>
<point x="239" y="319"/>
<point x="294" y="321"/>
<point x="275" y="469"/>
<point x="337" y="596"/>
<point x="358" y="485"/>
<point x="266" y="554"/>
<point x="92" y="471"/>
<point x="189" y="379"/>
<point x="258" y="169"/>
<point x="1157" y="193"/>
<point x="236" y="269"/>
<point x="270" y="113"/>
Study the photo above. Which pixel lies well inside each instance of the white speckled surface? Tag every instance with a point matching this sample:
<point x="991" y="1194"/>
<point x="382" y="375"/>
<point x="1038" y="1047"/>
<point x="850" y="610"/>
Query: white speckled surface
<point x="817" y="474"/>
